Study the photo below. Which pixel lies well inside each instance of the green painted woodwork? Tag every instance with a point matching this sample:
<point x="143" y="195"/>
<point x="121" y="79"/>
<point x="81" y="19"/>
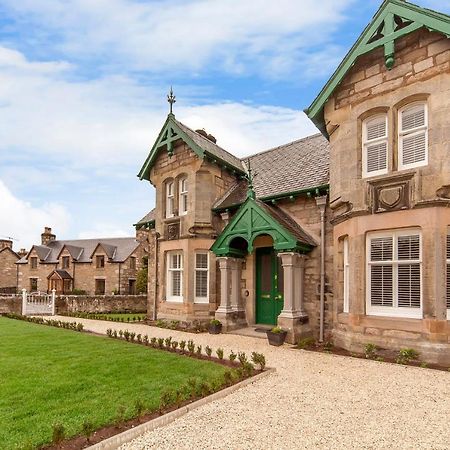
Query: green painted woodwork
<point x="269" y="286"/>
<point x="147" y="225"/>
<point x="323" y="189"/>
<point x="251" y="221"/>
<point x="170" y="133"/>
<point x="394" y="19"/>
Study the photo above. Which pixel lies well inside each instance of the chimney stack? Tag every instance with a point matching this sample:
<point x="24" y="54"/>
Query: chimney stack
<point x="22" y="252"/>
<point x="5" y="243"/>
<point x="47" y="236"/>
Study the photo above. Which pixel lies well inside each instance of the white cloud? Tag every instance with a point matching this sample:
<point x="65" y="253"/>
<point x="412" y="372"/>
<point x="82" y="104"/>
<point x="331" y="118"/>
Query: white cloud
<point x="25" y="222"/>
<point x="104" y="230"/>
<point x="231" y="35"/>
<point x="105" y="123"/>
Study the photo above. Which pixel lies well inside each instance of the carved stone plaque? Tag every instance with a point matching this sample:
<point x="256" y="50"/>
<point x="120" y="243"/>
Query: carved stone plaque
<point x="390" y="195"/>
<point x="173" y="231"/>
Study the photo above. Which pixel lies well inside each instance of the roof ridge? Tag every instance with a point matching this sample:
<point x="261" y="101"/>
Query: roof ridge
<point x="282" y="145"/>
<point x="207" y="140"/>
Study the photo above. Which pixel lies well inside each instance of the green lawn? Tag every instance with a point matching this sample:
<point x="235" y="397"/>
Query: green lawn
<point x="50" y="375"/>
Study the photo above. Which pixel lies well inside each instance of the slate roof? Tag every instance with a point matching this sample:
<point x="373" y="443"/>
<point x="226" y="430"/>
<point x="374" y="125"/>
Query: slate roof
<point x="297" y="166"/>
<point x="118" y="249"/>
<point x="63" y="274"/>
<point x="288" y="223"/>
<point x="211" y="148"/>
<point x="149" y="217"/>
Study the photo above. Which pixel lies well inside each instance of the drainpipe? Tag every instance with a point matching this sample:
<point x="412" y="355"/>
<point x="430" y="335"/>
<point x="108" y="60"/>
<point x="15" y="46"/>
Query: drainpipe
<point x="321" y="202"/>
<point x="156" y="236"/>
<point x="120" y="281"/>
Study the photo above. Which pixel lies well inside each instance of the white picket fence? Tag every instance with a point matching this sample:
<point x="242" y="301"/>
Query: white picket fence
<point x="38" y="304"/>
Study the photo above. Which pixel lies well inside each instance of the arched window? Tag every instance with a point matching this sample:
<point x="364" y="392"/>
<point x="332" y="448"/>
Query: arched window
<point x="170" y="199"/>
<point x="375" y="146"/>
<point x="183" y="195"/>
<point x="413" y="136"/>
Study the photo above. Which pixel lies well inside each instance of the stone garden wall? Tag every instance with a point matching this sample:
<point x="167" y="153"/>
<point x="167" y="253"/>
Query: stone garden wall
<point x="101" y="303"/>
<point x="83" y="303"/>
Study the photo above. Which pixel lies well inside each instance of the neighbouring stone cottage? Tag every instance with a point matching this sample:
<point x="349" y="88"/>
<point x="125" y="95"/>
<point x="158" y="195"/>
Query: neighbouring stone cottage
<point x="8" y="267"/>
<point x="340" y="234"/>
<point x="95" y="266"/>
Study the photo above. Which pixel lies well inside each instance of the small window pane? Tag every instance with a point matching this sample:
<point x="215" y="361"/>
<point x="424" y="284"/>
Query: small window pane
<point x="381" y="286"/>
<point x="176" y="283"/>
<point x="381" y="249"/>
<point x="409" y="286"/>
<point x="376" y="128"/>
<point x="201" y="261"/>
<point x="414" y="148"/>
<point x="201" y="283"/>
<point x="413" y="117"/>
<point x="377" y="157"/>
<point x="408" y="247"/>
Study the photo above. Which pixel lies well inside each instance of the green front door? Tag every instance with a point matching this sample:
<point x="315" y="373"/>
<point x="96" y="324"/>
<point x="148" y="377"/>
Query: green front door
<point x="269" y="286"/>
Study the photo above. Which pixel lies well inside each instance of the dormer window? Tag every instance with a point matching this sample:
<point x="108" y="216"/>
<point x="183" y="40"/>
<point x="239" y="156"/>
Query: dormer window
<point x="375" y="146"/>
<point x="183" y="190"/>
<point x="413" y="136"/>
<point x="170" y="199"/>
<point x="100" y="261"/>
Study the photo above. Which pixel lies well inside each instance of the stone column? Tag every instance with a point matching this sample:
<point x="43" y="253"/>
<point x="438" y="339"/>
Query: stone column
<point x="293" y="317"/>
<point x="225" y="265"/>
<point x="236" y="273"/>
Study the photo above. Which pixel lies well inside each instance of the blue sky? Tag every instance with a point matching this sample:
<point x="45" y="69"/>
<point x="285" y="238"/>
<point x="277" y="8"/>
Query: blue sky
<point x="83" y="87"/>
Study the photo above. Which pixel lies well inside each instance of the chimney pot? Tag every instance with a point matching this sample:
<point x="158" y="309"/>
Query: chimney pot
<point x="47" y="236"/>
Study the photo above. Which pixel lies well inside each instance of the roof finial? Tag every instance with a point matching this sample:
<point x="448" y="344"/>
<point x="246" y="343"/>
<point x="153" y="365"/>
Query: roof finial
<point x="250" y="176"/>
<point x="171" y="99"/>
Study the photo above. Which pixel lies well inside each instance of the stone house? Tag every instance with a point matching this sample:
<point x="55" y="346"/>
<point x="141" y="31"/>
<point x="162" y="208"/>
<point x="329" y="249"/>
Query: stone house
<point x="385" y="112"/>
<point x="96" y="266"/>
<point x="8" y="267"/>
<point x="341" y="234"/>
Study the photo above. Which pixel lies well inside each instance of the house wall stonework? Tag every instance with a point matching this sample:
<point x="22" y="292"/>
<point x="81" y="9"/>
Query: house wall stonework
<point x="421" y="73"/>
<point x="193" y="231"/>
<point x="8" y="269"/>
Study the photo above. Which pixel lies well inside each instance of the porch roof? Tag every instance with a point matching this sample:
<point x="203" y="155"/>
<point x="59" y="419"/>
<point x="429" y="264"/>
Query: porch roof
<point x="61" y="274"/>
<point x="255" y="218"/>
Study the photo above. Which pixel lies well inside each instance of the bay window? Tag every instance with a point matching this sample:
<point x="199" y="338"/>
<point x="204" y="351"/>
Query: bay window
<point x="201" y="277"/>
<point x="174" y="276"/>
<point x="394" y="273"/>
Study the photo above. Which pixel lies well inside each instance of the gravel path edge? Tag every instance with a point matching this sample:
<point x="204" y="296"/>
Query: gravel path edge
<point x="114" y="442"/>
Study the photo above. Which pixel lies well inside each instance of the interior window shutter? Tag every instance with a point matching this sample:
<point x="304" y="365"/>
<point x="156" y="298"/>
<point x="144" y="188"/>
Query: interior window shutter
<point x="408" y="248"/>
<point x="413" y="135"/>
<point x="376" y="144"/>
<point x="381" y="275"/>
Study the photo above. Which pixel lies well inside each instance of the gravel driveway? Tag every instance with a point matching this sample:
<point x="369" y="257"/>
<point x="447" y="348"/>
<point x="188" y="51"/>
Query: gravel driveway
<point x="313" y="401"/>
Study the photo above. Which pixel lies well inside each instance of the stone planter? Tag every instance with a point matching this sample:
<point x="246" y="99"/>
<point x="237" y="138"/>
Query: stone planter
<point x="276" y="339"/>
<point x="214" y="328"/>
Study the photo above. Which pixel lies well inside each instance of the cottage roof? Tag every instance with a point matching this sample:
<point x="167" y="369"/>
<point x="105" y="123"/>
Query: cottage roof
<point x="291" y="168"/>
<point x="10" y="250"/>
<point x="149" y="217"/>
<point x="117" y="249"/>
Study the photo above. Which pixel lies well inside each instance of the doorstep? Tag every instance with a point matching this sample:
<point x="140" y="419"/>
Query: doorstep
<point x="256" y="331"/>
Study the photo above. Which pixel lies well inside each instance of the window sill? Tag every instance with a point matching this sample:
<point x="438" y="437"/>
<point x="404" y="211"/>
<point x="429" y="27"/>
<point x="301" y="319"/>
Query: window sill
<point x="396" y="313"/>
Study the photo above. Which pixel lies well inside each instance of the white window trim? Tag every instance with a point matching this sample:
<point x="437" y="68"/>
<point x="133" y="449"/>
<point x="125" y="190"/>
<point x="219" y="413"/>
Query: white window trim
<point x="169" y="297"/>
<point x="170" y="199"/>
<point x="365" y="143"/>
<point x="447" y="266"/>
<point x="181" y="196"/>
<point x="201" y="299"/>
<point x="346" y="304"/>
<point x="417" y="130"/>
<point x="394" y="311"/>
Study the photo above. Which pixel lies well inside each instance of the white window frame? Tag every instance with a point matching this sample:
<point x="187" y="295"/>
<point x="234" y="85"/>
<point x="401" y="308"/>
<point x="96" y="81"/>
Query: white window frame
<point x="170" y="199"/>
<point x="200" y="269"/>
<point x="402" y="134"/>
<point x="183" y="195"/>
<point x="366" y="143"/>
<point x="346" y="264"/>
<point x="447" y="261"/>
<point x="169" y="279"/>
<point x="393" y="311"/>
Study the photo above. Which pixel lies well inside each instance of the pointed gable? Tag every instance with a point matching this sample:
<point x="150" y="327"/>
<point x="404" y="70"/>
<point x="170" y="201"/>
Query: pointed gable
<point x="394" y="19"/>
<point x="174" y="131"/>
<point x="255" y="218"/>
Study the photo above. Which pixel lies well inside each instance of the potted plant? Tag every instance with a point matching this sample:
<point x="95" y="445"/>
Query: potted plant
<point x="276" y="336"/>
<point x="215" y="326"/>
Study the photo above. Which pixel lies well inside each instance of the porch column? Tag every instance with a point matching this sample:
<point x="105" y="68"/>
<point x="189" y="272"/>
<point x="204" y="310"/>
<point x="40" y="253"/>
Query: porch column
<point x="236" y="271"/>
<point x="225" y="266"/>
<point x="293" y="271"/>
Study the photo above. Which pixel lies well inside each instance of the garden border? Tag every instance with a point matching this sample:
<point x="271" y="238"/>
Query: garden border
<point x="117" y="440"/>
